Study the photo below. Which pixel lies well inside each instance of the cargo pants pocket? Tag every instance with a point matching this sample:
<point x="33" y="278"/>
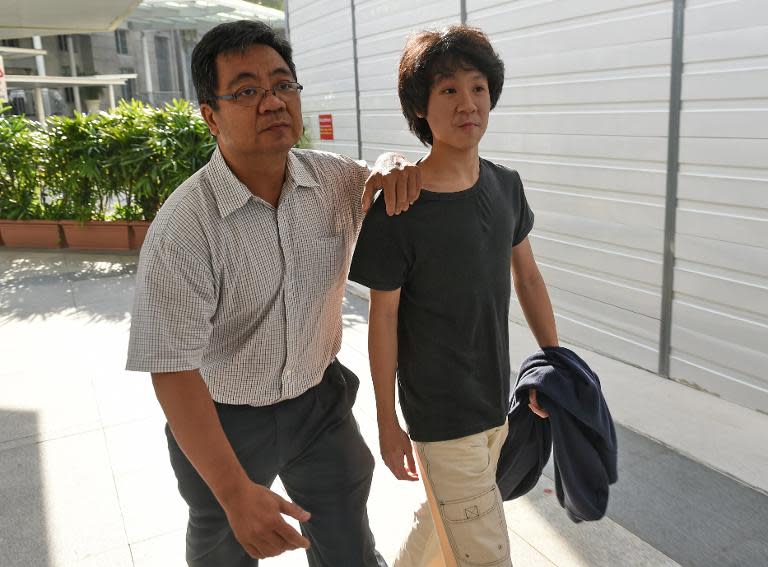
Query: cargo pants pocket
<point x="476" y="529"/>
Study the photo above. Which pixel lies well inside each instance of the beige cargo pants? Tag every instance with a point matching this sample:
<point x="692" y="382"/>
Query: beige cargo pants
<point x="460" y="482"/>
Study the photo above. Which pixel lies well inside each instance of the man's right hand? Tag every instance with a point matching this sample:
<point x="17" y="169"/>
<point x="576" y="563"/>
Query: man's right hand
<point x="397" y="452"/>
<point x="255" y="514"/>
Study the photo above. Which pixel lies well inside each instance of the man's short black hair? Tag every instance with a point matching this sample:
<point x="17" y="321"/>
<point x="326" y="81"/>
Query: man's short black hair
<point x="227" y="38"/>
<point x="442" y="52"/>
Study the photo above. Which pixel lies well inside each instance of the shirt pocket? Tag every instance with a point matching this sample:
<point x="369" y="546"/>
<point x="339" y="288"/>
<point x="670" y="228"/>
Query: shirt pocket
<point x="323" y="262"/>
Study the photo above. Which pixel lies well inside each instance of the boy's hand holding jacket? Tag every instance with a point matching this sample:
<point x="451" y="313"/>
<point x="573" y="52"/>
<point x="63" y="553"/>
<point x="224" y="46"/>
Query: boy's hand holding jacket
<point x="579" y="427"/>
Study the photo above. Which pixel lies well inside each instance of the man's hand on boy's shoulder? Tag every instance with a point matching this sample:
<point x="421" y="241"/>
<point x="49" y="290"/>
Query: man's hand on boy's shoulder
<point x="398" y="178"/>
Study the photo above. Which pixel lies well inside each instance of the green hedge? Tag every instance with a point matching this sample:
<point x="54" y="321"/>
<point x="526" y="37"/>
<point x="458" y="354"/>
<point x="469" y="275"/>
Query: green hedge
<point x="118" y="165"/>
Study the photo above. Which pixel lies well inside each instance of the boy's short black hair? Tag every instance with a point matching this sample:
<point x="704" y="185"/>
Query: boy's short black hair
<point x="231" y="37"/>
<point x="432" y="52"/>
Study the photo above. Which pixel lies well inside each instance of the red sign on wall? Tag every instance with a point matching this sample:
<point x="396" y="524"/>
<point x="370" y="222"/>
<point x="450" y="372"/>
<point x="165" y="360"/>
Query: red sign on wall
<point x="326" y="126"/>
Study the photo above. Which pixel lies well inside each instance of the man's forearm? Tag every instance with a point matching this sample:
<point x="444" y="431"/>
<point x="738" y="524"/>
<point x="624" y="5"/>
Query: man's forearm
<point x="195" y="424"/>
<point x="537" y="309"/>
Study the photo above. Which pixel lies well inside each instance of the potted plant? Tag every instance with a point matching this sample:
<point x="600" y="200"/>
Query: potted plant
<point x="92" y="96"/>
<point x="24" y="217"/>
<point x="152" y="151"/>
<point x="76" y="166"/>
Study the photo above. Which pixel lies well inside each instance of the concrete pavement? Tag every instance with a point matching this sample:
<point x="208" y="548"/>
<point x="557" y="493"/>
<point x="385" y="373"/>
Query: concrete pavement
<point x="85" y="480"/>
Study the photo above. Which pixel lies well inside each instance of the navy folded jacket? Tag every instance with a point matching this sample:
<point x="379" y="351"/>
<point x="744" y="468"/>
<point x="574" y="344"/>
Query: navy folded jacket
<point x="579" y="428"/>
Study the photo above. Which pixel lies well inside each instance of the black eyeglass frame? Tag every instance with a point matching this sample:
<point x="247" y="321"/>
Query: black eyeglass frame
<point x="236" y="95"/>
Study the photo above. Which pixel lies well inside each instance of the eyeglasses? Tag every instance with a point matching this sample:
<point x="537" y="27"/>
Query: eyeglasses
<point x="252" y="96"/>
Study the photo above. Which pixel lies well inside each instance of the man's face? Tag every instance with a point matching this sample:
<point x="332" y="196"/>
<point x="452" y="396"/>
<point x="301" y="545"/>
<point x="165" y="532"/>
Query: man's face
<point x="458" y="108"/>
<point x="274" y="125"/>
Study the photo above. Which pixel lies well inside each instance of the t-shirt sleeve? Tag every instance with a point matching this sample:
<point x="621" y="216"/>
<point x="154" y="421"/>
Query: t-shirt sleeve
<point x="382" y="259"/>
<point x="524" y="220"/>
<point x="174" y="302"/>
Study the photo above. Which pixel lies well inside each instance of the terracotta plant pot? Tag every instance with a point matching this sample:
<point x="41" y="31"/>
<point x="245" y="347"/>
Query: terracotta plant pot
<point x="96" y="235"/>
<point x="30" y="233"/>
<point x="138" y="233"/>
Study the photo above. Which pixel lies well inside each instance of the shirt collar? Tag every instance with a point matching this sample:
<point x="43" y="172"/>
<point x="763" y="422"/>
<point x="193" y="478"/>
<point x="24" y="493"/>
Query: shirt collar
<point x="298" y="174"/>
<point x="231" y="193"/>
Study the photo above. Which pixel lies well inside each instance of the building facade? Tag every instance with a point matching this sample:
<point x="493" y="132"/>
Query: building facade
<point x="160" y="58"/>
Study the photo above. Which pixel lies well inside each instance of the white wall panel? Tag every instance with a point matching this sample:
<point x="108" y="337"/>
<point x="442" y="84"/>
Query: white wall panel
<point x="583" y="118"/>
<point x="321" y="35"/>
<point x="720" y="310"/>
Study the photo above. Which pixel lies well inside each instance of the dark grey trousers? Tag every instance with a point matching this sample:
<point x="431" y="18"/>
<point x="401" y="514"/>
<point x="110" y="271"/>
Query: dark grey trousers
<point x="314" y="445"/>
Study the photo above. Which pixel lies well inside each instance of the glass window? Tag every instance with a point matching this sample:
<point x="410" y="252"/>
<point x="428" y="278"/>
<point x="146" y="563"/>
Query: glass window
<point x="163" y="57"/>
<point x="129" y="88"/>
<point x="121" y="41"/>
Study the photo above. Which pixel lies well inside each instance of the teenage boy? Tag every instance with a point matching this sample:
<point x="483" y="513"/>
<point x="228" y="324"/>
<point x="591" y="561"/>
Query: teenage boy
<point x="440" y="291"/>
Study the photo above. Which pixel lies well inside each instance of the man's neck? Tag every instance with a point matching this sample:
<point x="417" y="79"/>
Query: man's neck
<point x="447" y="170"/>
<point x="262" y="174"/>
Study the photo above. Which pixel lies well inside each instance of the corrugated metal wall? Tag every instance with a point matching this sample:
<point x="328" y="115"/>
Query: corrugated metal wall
<point x="584" y="117"/>
<point x="321" y="36"/>
<point x="720" y="310"/>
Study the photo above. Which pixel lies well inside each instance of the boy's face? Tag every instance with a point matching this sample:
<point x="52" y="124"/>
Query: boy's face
<point x="458" y="108"/>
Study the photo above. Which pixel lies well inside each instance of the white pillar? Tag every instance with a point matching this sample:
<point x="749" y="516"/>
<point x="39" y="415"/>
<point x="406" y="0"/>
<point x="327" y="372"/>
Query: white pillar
<point x="39" y="107"/>
<point x="182" y="62"/>
<point x="37" y="43"/>
<point x="147" y="68"/>
<point x="73" y="67"/>
<point x="111" y="91"/>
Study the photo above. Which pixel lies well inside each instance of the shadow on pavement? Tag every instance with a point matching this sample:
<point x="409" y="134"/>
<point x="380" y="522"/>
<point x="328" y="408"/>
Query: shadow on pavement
<point x="693" y="514"/>
<point x="41" y="285"/>
<point x="23" y="530"/>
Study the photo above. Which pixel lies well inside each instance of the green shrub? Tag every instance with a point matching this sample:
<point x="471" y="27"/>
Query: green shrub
<point x="131" y="158"/>
<point x="117" y="165"/>
<point x="74" y="172"/>
<point x="22" y="152"/>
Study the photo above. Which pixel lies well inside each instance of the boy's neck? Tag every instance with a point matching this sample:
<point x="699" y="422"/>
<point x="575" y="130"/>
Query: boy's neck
<point x="449" y="170"/>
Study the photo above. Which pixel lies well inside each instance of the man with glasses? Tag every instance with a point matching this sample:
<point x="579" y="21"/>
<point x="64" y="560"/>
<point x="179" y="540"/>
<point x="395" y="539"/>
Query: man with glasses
<point x="237" y="316"/>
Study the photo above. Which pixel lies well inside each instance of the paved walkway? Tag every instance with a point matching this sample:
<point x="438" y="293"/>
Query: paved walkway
<point x="85" y="481"/>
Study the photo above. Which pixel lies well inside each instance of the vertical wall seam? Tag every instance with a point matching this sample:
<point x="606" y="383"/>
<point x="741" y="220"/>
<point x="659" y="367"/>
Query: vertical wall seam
<point x="673" y="154"/>
<point x="286" y="10"/>
<point x="463" y="11"/>
<point x="357" y="82"/>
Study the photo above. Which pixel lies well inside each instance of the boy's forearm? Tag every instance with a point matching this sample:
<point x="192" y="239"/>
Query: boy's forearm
<point x="382" y="348"/>
<point x="537" y="309"/>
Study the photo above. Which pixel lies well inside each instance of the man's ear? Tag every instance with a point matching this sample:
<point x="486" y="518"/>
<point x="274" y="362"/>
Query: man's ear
<point x="210" y="119"/>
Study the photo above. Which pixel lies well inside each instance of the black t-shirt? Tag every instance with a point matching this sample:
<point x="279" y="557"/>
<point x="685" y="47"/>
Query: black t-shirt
<point x="450" y="255"/>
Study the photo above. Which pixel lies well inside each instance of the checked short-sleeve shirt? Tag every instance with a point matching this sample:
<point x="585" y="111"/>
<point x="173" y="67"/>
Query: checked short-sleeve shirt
<point x="247" y="293"/>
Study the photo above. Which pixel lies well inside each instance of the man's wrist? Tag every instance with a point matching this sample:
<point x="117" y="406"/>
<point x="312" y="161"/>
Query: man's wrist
<point x="229" y="491"/>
